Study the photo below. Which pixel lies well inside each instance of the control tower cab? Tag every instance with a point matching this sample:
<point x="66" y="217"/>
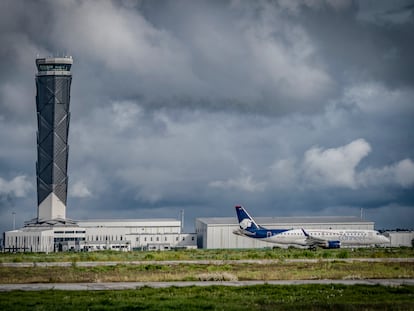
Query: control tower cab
<point x="54" y="66"/>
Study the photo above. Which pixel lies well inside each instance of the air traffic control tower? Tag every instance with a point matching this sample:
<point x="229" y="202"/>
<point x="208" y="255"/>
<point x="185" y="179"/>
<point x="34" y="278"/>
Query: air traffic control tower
<point x="53" y="81"/>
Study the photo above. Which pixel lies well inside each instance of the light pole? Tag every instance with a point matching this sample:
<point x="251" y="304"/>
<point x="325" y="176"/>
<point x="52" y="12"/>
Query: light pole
<point x="182" y="220"/>
<point x="14" y="220"/>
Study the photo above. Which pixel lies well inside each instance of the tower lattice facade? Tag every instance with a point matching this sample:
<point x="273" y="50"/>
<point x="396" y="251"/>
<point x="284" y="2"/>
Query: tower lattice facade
<point x="53" y="82"/>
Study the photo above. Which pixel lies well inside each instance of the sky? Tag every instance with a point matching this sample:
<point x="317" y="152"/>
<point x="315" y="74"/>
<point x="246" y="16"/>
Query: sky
<point x="289" y="108"/>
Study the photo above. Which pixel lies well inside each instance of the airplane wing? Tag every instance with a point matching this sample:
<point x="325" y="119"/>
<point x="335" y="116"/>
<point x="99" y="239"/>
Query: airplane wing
<point x="313" y="241"/>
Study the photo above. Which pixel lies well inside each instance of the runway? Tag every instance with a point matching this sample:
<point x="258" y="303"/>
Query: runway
<point x="137" y="285"/>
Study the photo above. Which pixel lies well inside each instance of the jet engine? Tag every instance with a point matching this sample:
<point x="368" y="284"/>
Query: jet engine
<point x="332" y="244"/>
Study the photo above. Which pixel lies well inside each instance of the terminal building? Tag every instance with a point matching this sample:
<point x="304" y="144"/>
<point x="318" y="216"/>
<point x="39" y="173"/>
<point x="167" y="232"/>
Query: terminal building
<point x="136" y="234"/>
<point x="103" y="234"/>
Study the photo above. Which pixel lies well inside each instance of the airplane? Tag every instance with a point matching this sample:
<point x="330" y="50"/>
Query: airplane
<point x="311" y="238"/>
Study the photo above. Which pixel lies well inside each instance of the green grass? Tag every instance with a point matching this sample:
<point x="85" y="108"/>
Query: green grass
<point x="203" y="254"/>
<point x="280" y="269"/>
<point x="260" y="297"/>
<point x="192" y="272"/>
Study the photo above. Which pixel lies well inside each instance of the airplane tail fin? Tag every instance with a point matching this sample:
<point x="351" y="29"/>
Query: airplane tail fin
<point x="246" y="222"/>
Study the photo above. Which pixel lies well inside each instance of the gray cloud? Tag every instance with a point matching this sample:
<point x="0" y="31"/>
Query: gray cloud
<point x="18" y="186"/>
<point x="287" y="107"/>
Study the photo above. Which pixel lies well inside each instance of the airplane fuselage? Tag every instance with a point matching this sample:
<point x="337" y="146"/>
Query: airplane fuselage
<point x="298" y="237"/>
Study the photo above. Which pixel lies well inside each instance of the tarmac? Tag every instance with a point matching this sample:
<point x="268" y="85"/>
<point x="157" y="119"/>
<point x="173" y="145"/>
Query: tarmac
<point x="137" y="285"/>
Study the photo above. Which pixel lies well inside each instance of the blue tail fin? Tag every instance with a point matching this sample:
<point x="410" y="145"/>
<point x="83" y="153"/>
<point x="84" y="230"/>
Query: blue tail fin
<point x="246" y="222"/>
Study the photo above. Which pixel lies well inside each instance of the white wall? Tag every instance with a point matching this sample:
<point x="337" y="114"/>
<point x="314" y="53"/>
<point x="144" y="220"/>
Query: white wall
<point x="29" y="241"/>
<point x="174" y="240"/>
<point x="398" y="239"/>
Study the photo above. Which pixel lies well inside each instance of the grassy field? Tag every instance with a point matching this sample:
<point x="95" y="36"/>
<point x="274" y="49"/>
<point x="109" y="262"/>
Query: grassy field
<point x="202" y="272"/>
<point x="281" y="269"/>
<point x="261" y="297"/>
<point x="203" y="254"/>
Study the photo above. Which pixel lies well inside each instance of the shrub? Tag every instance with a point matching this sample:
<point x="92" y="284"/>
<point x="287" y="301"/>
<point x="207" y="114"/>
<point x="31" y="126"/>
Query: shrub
<point x="149" y="256"/>
<point x="343" y="254"/>
<point x="217" y="276"/>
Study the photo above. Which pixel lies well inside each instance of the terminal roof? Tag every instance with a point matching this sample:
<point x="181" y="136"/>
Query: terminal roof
<point x="286" y="220"/>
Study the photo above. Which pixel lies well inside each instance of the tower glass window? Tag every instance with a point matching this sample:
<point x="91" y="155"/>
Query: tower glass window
<point x="54" y="67"/>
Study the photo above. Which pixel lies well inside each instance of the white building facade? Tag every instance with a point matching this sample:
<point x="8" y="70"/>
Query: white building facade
<point x="29" y="241"/>
<point x="400" y="238"/>
<point x="48" y="236"/>
<point x="138" y="234"/>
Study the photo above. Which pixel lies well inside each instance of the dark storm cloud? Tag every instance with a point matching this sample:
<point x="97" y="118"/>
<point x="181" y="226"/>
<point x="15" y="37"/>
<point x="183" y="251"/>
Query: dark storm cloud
<point x="360" y="50"/>
<point x="264" y="56"/>
<point x="288" y="107"/>
<point x="208" y="60"/>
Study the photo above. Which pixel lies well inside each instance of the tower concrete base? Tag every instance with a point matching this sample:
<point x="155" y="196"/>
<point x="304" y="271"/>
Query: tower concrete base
<point x="51" y="208"/>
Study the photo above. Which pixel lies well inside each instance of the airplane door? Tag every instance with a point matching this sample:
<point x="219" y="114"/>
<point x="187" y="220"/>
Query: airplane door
<point x="370" y="236"/>
<point x="269" y="234"/>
